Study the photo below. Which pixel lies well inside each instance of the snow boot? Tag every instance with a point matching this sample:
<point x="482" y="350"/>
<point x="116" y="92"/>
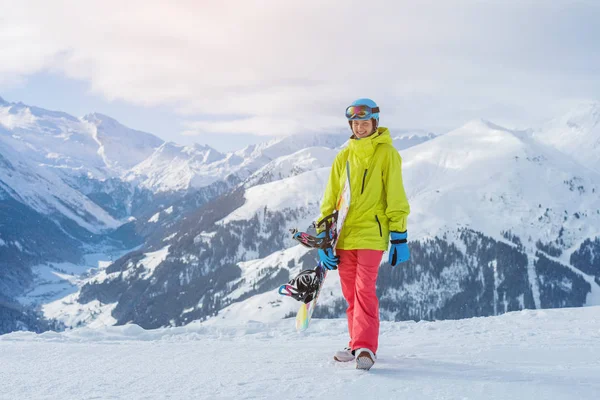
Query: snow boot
<point x="345" y="355"/>
<point x="365" y="359"/>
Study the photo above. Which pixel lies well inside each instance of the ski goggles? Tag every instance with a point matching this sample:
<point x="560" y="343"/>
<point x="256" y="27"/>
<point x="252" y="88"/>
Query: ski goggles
<point x="361" y="112"/>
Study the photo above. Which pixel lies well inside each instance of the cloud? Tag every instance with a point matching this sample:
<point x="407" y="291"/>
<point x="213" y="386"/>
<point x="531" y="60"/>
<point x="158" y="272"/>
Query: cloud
<point x="277" y="67"/>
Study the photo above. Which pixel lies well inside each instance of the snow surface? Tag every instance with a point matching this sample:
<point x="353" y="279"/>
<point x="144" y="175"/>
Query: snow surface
<point x="546" y="354"/>
<point x="156" y="217"/>
<point x="152" y="260"/>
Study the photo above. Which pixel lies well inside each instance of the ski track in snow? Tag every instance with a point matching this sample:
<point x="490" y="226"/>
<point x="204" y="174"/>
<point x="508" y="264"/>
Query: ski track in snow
<point x="549" y="354"/>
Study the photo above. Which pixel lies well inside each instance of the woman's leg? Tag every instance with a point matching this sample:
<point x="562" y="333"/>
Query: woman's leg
<point x="347" y="271"/>
<point x="365" y="326"/>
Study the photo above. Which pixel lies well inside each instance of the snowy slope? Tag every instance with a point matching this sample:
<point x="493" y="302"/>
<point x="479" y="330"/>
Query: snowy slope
<point x="493" y="179"/>
<point x="120" y="147"/>
<point x="550" y="354"/>
<point x="42" y="190"/>
<point x="299" y="191"/>
<point x="51" y="138"/>
<point x="305" y="160"/>
<point x="256" y="156"/>
<point x="497" y="181"/>
<point x="271" y="306"/>
<point x="173" y="167"/>
<point x="577" y="134"/>
<point x="94" y="314"/>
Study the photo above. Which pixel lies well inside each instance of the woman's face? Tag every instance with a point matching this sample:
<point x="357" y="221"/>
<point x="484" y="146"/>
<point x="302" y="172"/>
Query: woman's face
<point x="362" y="129"/>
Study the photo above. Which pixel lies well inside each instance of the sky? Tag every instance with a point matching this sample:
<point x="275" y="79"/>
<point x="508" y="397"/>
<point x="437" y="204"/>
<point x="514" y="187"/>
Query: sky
<point x="230" y="73"/>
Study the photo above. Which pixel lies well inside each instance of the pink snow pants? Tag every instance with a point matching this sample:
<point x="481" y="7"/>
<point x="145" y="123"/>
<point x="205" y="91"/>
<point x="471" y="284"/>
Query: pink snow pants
<point x="358" y="274"/>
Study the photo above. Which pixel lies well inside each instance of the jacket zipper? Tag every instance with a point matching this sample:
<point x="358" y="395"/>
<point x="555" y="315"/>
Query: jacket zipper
<point x="363" y="182"/>
<point x="379" y="223"/>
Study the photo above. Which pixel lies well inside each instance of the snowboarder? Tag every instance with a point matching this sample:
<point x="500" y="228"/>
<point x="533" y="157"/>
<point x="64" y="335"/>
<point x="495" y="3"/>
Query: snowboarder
<point x="378" y="208"/>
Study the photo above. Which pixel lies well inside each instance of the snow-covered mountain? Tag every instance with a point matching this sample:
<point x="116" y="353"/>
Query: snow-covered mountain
<point x="405" y="139"/>
<point x="305" y="160"/>
<point x="95" y="145"/>
<point x="82" y="178"/>
<point x="500" y="222"/>
<point x="576" y="134"/>
<point x="42" y="219"/>
<point x="491" y="179"/>
<point x="93" y="150"/>
<point x="120" y="148"/>
<point x="88" y="154"/>
<point x="43" y="191"/>
<point x="284" y="146"/>
<point x="174" y="167"/>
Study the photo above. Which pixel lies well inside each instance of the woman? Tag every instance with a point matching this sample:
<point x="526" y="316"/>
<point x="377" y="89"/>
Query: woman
<point x="378" y="208"/>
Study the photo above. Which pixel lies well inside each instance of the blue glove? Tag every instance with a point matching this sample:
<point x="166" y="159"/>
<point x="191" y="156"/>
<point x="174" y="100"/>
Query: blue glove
<point x="399" y="252"/>
<point x="328" y="260"/>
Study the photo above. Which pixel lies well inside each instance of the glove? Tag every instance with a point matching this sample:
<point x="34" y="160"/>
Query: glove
<point x="399" y="252"/>
<point x="328" y="260"/>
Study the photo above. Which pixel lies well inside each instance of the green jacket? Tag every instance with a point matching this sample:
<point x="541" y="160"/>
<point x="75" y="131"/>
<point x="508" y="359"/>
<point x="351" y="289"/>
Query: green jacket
<point x="378" y="202"/>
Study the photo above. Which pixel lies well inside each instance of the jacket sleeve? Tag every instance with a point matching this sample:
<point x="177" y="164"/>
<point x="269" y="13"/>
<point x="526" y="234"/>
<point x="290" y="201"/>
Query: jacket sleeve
<point x="333" y="188"/>
<point x="397" y="203"/>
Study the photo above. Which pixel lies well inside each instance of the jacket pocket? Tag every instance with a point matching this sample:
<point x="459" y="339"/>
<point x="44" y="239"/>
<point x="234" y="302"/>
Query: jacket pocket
<point x="362" y="189"/>
<point x="379" y="225"/>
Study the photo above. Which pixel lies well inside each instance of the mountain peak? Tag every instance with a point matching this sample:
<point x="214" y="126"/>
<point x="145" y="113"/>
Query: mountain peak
<point x="37" y="112"/>
<point x="101" y="119"/>
<point x="204" y="152"/>
<point x="585" y="115"/>
<point x="202" y="147"/>
<point x="483" y="124"/>
<point x="576" y="133"/>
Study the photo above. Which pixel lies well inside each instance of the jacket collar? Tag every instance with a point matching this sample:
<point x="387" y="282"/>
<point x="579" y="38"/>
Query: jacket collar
<point x="365" y="147"/>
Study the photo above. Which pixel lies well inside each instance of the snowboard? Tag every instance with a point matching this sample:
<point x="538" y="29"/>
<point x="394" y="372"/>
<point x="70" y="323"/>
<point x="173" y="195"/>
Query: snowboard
<point x="306" y="287"/>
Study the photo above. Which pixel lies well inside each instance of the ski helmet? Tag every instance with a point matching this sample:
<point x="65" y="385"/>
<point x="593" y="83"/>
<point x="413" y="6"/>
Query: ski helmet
<point x="370" y="110"/>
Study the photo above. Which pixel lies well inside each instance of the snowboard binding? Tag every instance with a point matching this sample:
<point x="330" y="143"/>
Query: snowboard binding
<point x="305" y="286"/>
<point x="327" y="224"/>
